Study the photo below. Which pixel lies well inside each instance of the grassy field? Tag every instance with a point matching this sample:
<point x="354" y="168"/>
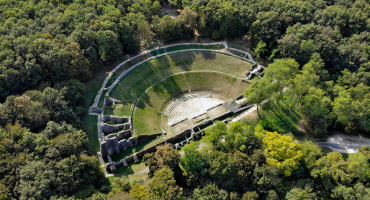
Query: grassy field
<point x="119" y="110"/>
<point x="284" y="120"/>
<point x="147" y="113"/>
<point x="132" y="172"/>
<point x="133" y="85"/>
<point x="126" y="66"/>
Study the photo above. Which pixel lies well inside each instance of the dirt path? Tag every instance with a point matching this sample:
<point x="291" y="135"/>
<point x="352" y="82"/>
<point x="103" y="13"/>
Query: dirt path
<point x="345" y="143"/>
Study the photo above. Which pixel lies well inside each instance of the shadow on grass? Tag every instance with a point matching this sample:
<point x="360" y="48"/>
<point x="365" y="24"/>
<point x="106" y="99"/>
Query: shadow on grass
<point x="282" y="120"/>
<point x="151" y="72"/>
<point x="208" y="55"/>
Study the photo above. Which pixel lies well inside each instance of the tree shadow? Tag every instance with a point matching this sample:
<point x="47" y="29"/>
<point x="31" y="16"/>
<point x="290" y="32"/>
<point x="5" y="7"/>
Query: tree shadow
<point x="183" y="60"/>
<point x="208" y="55"/>
<point x="150" y="73"/>
<point x="144" y="101"/>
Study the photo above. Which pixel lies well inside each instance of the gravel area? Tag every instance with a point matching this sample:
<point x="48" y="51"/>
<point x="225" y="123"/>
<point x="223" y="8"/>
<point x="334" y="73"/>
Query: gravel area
<point x="345" y="143"/>
<point x="192" y="108"/>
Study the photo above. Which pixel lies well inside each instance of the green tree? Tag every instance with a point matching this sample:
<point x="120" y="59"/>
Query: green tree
<point x="163" y="185"/>
<point x="260" y="50"/>
<point x="250" y="196"/>
<point x="315" y="107"/>
<point x="359" y="166"/>
<point x="139" y="192"/>
<point x="310" y="154"/>
<point x="216" y="134"/>
<point x="223" y="170"/>
<point x="258" y="93"/>
<point x="119" y="185"/>
<point x="301" y="194"/>
<point x="266" y="28"/>
<point x="332" y="169"/>
<point x="165" y="156"/>
<point x="210" y="191"/>
<point x="282" y="152"/>
<point x="194" y="164"/>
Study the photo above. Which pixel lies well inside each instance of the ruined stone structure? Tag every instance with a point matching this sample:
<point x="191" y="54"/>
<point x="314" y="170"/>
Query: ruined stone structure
<point x="256" y="70"/>
<point x="115" y="133"/>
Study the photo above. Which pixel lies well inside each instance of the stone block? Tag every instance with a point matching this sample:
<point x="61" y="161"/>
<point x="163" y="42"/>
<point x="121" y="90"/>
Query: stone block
<point x="124" y="163"/>
<point x="136" y="159"/>
<point x="109" y="128"/>
<point x="123" y="134"/>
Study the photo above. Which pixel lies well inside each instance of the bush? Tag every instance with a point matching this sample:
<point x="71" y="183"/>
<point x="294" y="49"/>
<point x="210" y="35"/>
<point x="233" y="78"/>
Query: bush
<point x="264" y="124"/>
<point x="215" y="35"/>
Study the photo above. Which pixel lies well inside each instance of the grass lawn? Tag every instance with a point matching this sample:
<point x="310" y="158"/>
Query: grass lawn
<point x="89" y="124"/>
<point x="124" y="67"/>
<point x="119" y="110"/>
<point x="284" y="120"/>
<point x="130" y="172"/>
<point x="148" y="110"/>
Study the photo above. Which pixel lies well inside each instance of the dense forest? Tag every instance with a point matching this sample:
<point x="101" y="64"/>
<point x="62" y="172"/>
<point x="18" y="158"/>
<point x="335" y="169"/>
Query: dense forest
<point x="319" y="49"/>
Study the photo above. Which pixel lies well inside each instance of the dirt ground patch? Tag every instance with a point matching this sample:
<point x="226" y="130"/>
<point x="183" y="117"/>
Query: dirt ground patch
<point x="171" y="11"/>
<point x="178" y="128"/>
<point x="192" y="108"/>
<point x="216" y="111"/>
<point x="200" y="118"/>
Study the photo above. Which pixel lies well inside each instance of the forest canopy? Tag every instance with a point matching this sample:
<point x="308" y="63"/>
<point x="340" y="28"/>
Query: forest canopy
<point x="318" y="49"/>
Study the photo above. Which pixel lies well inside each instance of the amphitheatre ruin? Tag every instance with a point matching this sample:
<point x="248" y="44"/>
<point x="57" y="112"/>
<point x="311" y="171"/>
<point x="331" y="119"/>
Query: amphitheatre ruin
<point x="169" y="94"/>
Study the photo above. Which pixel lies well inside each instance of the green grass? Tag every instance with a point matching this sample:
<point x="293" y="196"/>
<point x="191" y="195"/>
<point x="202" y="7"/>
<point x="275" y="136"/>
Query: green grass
<point x="284" y="120"/>
<point x="119" y="110"/>
<point x="124" y="67"/>
<point x="147" y="112"/>
<point x="132" y="169"/>
<point x="111" y="79"/>
<point x="101" y="100"/>
<point x="89" y="124"/>
<point x="130" y="172"/>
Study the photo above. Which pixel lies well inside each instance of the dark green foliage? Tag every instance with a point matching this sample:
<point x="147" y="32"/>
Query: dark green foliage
<point x="55" y="166"/>
<point x="209" y="192"/>
<point x="165" y="156"/>
<point x="34" y="108"/>
<point x="194" y="164"/>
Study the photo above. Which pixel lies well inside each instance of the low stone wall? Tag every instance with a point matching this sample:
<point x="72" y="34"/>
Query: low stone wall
<point x="145" y="138"/>
<point x="115" y="144"/>
<point x="109" y="128"/>
<point x="115" y="119"/>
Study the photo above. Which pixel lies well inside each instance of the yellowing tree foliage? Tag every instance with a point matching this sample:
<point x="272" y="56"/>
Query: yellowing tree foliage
<point x="282" y="152"/>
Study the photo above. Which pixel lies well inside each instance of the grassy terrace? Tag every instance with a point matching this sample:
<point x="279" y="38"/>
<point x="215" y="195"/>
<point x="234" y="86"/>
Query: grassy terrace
<point x="161" y="51"/>
<point x="119" y="110"/>
<point x="126" y="66"/>
<point x="144" y="76"/>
